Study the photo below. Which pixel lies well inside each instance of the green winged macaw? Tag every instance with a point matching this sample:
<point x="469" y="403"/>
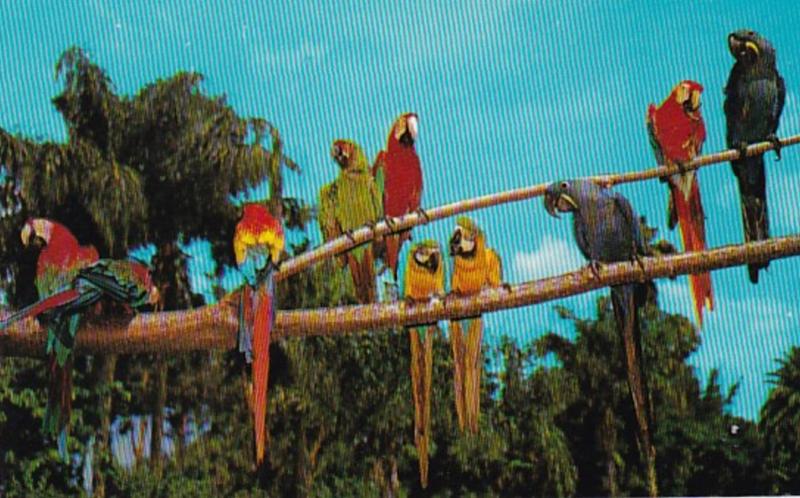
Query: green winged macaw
<point x="677" y="133"/>
<point x="423" y="281"/>
<point x="607" y="230"/>
<point x="349" y="202"/>
<point x="258" y="242"/>
<point x="754" y="98"/>
<point x="398" y="173"/>
<point x="60" y="258"/>
<point x="475" y="268"/>
<point x="123" y="281"/>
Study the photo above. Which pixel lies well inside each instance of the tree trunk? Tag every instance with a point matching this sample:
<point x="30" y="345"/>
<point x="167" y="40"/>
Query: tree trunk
<point x="158" y="407"/>
<point x="102" y="454"/>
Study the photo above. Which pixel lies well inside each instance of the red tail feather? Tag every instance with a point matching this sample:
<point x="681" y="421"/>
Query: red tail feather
<point x="59" y="394"/>
<point x="691" y="219"/>
<point x="261" y="338"/>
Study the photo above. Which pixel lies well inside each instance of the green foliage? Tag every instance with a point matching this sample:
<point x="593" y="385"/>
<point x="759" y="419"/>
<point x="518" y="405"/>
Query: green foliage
<point x="161" y="166"/>
<point x="780" y="425"/>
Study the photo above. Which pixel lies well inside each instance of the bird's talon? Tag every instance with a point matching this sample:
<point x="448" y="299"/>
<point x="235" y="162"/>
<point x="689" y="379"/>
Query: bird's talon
<point x="776" y="144"/>
<point x="506" y="286"/>
<point x="594" y="266"/>
<point x="421" y="212"/>
<point x="349" y="235"/>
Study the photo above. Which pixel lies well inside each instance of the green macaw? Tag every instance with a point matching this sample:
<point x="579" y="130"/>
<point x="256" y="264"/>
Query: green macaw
<point x="352" y="200"/>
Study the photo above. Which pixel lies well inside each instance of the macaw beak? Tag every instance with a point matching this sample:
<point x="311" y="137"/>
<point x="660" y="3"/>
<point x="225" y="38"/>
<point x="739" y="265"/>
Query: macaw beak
<point x="739" y="48"/>
<point x="455" y="243"/>
<point x="692" y="104"/>
<point x="154" y="296"/>
<point x="555" y="202"/>
<point x="338" y="155"/>
<point x="25" y="234"/>
<point x="433" y="262"/>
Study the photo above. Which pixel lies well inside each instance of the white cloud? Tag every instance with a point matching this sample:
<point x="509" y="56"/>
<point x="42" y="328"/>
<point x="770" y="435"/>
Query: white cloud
<point x="296" y="56"/>
<point x="552" y="257"/>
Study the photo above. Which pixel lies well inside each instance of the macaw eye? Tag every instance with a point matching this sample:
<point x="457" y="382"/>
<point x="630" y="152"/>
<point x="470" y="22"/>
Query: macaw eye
<point x="751" y="33"/>
<point x="564" y="185"/>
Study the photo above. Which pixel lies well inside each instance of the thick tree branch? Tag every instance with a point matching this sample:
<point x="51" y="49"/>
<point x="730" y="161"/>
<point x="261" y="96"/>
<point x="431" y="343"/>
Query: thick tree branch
<point x="214" y="327"/>
<point x="365" y="234"/>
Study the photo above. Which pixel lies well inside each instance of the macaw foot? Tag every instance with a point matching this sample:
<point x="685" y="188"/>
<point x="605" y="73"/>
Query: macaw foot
<point x="349" y="235"/>
<point x="421" y="212"/>
<point x="776" y="143"/>
<point x="637" y="259"/>
<point x="370" y="225"/>
<point x="681" y="167"/>
<point x="506" y="287"/>
<point x="391" y="222"/>
<point x="410" y="301"/>
<point x="594" y="266"/>
<point x="742" y="148"/>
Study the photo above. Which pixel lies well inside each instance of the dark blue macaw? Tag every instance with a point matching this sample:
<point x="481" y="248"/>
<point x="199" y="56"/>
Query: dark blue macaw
<point x="754" y="98"/>
<point x="607" y="230"/>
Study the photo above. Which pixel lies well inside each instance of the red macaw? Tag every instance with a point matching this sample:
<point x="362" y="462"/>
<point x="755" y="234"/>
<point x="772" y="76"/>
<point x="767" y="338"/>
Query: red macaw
<point x="677" y="133"/>
<point x="60" y="259"/>
<point x="257" y="244"/>
<point x="398" y="173"/>
<point x="127" y="282"/>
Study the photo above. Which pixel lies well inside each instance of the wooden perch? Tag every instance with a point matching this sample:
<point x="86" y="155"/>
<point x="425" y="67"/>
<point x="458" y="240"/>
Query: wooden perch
<point x="365" y="234"/>
<point x="214" y="327"/>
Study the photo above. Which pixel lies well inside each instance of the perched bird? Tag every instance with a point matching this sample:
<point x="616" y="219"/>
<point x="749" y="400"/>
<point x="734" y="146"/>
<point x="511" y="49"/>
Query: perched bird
<point x="475" y="267"/>
<point x="677" y="133"/>
<point x="423" y="281"/>
<point x="607" y="230"/>
<point x="122" y="281"/>
<point x="60" y="258"/>
<point x="257" y="245"/>
<point x="350" y="201"/>
<point x="398" y="173"/>
<point x="754" y="98"/>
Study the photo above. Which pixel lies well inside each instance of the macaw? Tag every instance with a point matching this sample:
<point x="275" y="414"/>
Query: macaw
<point x="423" y="281"/>
<point x="60" y="258"/>
<point x="475" y="268"/>
<point x="349" y="202"/>
<point x="677" y="133"/>
<point x="258" y="242"/>
<point x="607" y="230"/>
<point x="754" y="98"/>
<point x="123" y="281"/>
<point x="398" y="173"/>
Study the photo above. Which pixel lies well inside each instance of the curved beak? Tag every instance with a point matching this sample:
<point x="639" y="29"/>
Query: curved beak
<point x="25" y="234"/>
<point x="413" y="126"/>
<point x="550" y="201"/>
<point x="455" y="243"/>
<point x="433" y="262"/>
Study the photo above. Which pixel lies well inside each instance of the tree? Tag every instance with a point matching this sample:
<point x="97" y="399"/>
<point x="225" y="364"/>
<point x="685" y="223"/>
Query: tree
<point x="780" y="425"/>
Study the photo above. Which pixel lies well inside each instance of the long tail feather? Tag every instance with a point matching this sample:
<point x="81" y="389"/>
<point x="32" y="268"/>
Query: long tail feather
<point x="753" y="192"/>
<point x="264" y="319"/>
<point x="421" y="377"/>
<point x="459" y="353"/>
<point x="40" y="307"/>
<point x="59" y="402"/>
<point x="393" y="245"/>
<point x="472" y="374"/>
<point x="362" y="270"/>
<point x="625" y="303"/>
<point x="691" y="216"/>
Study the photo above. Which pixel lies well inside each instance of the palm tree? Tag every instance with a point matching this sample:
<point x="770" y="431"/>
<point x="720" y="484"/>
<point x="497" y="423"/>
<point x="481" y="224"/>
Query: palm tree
<point x="780" y="424"/>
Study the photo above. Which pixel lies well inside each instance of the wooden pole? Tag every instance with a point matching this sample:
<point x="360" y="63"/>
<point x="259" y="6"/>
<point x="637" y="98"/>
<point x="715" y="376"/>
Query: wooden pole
<point x="214" y="327"/>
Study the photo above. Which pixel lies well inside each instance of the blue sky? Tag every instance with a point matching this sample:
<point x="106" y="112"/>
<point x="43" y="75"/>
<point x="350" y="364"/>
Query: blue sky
<point x="508" y="93"/>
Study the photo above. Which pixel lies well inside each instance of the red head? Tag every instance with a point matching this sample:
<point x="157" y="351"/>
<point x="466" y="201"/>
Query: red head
<point x="687" y="95"/>
<point x="257" y="227"/>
